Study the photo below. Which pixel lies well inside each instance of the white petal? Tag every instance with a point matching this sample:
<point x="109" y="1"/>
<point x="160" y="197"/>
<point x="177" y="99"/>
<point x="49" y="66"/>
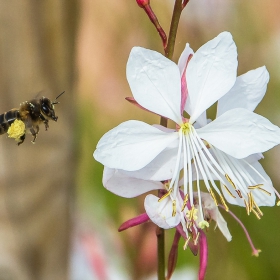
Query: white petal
<point x="159" y="169"/>
<point x="119" y="184"/>
<point x="201" y="120"/>
<point x="247" y="91"/>
<point x="161" y="212"/>
<point x="241" y="133"/>
<point x="155" y="82"/>
<point x="222" y="225"/>
<point x="184" y="58"/>
<point x="132" y="145"/>
<point x="210" y="74"/>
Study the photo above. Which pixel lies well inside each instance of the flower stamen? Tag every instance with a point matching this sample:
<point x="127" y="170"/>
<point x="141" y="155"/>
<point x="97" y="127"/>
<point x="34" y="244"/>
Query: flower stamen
<point x="186" y="243"/>
<point x="258" y="209"/>
<point x="259" y="188"/>
<point x="230" y="181"/>
<point x="250" y="201"/>
<point x="173" y="208"/>
<point x="229" y="192"/>
<point x="196" y="238"/>
<point x="185" y="202"/>
<point x="239" y="193"/>
<point x="191" y="214"/>
<point x="213" y="196"/>
<point x="165" y="195"/>
<point x="224" y="203"/>
<point x="256" y="213"/>
<point x="247" y="207"/>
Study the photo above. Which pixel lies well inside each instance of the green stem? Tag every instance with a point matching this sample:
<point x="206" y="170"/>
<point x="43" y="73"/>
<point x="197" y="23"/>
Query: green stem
<point x="173" y="29"/>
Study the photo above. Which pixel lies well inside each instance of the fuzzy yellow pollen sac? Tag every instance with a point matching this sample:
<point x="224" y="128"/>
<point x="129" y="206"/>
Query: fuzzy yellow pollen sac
<point x="278" y="203"/>
<point x="203" y="224"/>
<point x="16" y="130"/>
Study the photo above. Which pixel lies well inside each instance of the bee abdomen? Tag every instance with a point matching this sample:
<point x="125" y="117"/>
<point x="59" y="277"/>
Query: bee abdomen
<point x="7" y="119"/>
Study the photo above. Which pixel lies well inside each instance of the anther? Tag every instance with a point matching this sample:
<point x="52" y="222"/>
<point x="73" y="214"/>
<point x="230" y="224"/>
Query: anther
<point x="224" y="203"/>
<point x="173" y="208"/>
<point x="213" y="196"/>
<point x="259" y="188"/>
<point x="185" y="202"/>
<point x="196" y="239"/>
<point x="239" y="193"/>
<point x="247" y="207"/>
<point x="186" y="243"/>
<point x="250" y="201"/>
<point x="258" y="209"/>
<point x="229" y="192"/>
<point x="256" y="213"/>
<point x="165" y="195"/>
<point x="230" y="181"/>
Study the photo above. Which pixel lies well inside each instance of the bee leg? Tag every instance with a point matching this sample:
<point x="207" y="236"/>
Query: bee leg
<point x="46" y="122"/>
<point x="21" y="139"/>
<point x="37" y="127"/>
<point x="34" y="134"/>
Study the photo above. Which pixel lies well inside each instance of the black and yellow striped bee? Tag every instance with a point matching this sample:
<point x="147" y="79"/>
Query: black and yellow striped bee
<point x="28" y="117"/>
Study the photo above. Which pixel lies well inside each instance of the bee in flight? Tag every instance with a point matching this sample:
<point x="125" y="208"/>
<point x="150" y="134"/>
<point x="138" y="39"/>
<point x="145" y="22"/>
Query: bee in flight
<point x="28" y="117"/>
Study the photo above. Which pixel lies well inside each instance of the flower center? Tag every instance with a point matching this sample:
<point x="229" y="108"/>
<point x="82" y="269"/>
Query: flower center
<point x="186" y="128"/>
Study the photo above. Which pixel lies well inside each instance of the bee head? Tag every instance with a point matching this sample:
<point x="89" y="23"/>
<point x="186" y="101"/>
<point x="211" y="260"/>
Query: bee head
<point x="47" y="108"/>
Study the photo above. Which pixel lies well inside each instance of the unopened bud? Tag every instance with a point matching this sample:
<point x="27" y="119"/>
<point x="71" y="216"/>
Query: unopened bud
<point x="143" y="3"/>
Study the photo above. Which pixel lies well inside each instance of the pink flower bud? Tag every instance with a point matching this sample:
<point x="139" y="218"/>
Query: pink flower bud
<point x="143" y="3"/>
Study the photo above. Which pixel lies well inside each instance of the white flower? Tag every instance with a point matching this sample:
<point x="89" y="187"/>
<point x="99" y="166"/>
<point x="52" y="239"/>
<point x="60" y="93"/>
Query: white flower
<point x="226" y="149"/>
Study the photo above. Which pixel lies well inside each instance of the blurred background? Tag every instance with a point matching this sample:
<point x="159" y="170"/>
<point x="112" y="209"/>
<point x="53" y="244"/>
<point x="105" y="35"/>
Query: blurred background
<point x="57" y="221"/>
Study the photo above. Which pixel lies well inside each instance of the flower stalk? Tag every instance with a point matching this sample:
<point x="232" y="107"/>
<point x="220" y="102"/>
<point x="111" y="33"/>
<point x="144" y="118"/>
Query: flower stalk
<point x="178" y="8"/>
<point x="145" y="4"/>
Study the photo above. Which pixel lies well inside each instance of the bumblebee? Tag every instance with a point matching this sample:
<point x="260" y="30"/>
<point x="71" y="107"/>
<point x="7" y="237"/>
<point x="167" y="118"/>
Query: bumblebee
<point x="27" y="118"/>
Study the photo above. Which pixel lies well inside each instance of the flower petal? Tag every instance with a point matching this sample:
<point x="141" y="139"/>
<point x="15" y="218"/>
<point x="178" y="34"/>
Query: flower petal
<point x="159" y="169"/>
<point x="182" y="62"/>
<point x="241" y="133"/>
<point x="161" y="212"/>
<point x="210" y="74"/>
<point x="247" y="92"/>
<point x="155" y="82"/>
<point x="132" y="145"/>
<point x="122" y="185"/>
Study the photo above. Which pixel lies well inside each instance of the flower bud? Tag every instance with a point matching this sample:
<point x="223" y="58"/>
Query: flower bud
<point x="143" y="3"/>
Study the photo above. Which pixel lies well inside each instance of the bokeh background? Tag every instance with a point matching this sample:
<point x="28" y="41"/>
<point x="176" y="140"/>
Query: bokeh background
<point x="57" y="221"/>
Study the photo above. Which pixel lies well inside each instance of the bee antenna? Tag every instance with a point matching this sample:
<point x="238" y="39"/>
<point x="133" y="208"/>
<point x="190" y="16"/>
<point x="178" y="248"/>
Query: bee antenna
<point x="56" y="102"/>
